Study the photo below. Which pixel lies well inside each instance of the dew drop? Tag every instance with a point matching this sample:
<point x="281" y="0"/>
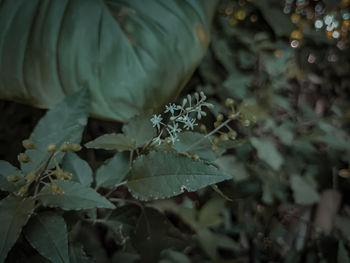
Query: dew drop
<point x="336" y="34"/>
<point x="311" y="58"/>
<point x="318" y="24"/>
<point x="294" y="43"/>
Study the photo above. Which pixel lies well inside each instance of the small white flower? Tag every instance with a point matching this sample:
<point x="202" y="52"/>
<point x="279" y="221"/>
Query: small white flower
<point x="174" y="128"/>
<point x="190" y="123"/>
<point x="173" y="137"/>
<point x="157" y="140"/>
<point x="156" y="120"/>
<point x="171" y="108"/>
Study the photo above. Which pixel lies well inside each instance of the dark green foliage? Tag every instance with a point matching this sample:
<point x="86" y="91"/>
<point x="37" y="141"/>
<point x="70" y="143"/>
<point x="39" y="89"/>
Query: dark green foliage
<point x="262" y="177"/>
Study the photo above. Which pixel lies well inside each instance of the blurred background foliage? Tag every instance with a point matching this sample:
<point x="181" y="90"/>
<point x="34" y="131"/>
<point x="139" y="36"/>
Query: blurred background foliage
<point x="286" y="64"/>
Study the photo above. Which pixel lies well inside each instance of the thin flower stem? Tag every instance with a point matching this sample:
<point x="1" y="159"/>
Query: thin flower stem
<point x="43" y="166"/>
<point x="115" y="188"/>
<point x="121" y="200"/>
<point x="208" y="135"/>
<point x="131" y="156"/>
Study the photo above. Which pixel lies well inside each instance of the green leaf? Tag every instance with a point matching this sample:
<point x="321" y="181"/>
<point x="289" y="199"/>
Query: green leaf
<point x="75" y="197"/>
<point x="343" y="224"/>
<point x="154" y="232"/>
<point x="14" y="214"/>
<point x="47" y="233"/>
<point x="172" y="256"/>
<point x="140" y="129"/>
<point x="304" y="192"/>
<point x="343" y="256"/>
<point x="277" y="20"/>
<point x="203" y="149"/>
<point x="80" y="169"/>
<point x="112" y="171"/>
<point x="252" y="110"/>
<point x="236" y="84"/>
<point x="229" y="164"/>
<point x="267" y="152"/>
<point x="113" y="141"/>
<point x="63" y="123"/>
<point x="7" y="169"/>
<point x="162" y="175"/>
<point x="211" y="241"/>
<point x="209" y="215"/>
<point x="139" y="62"/>
<point x="77" y="254"/>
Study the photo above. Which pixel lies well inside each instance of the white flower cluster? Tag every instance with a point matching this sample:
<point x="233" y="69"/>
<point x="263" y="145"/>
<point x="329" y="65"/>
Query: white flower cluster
<point x="181" y="117"/>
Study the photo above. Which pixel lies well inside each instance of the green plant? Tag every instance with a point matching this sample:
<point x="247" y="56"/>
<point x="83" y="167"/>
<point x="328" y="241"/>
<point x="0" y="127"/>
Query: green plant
<point x="55" y="185"/>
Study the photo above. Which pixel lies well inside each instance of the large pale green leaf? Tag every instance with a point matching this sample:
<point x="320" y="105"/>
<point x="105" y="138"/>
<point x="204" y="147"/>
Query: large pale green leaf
<point x="267" y="152"/>
<point x="7" y="169"/>
<point x="75" y="197"/>
<point x="304" y="192"/>
<point x="164" y="174"/>
<point x="14" y="214"/>
<point x="113" y="171"/>
<point x="47" y="233"/>
<point x="80" y="169"/>
<point x="113" y="141"/>
<point x="130" y="55"/>
<point x="63" y="123"/>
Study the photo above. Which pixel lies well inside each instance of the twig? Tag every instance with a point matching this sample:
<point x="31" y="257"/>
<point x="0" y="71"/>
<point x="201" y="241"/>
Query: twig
<point x="208" y="135"/>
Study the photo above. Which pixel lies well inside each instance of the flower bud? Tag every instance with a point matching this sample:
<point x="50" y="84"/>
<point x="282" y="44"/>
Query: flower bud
<point x="75" y="147"/>
<point x="28" y="144"/>
<point x="196" y="95"/>
<point x="64" y="147"/>
<point x="216" y="141"/>
<point x="23" y="190"/>
<point x="51" y="147"/>
<point x="13" y="178"/>
<point x="23" y="158"/>
<point x="59" y="191"/>
<point x="217" y="124"/>
<point x="220" y="117"/>
<point x="214" y="148"/>
<point x="210" y="106"/>
<point x="232" y="116"/>
<point x="195" y="156"/>
<point x="202" y="128"/>
<point x="55" y="189"/>
<point x="232" y="134"/>
<point x="229" y="102"/>
<point x="203" y="95"/>
<point x="345" y="173"/>
<point x="224" y="137"/>
<point x="59" y="174"/>
<point x="30" y="177"/>
<point x="67" y="175"/>
<point x="245" y="123"/>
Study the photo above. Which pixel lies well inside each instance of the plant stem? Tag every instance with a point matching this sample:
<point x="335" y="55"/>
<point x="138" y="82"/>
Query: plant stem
<point x="115" y="188"/>
<point x="43" y="166"/>
<point x="208" y="135"/>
